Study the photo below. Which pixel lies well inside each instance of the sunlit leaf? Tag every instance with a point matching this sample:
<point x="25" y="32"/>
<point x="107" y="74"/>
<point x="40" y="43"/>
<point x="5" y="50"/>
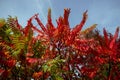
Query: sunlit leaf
<point x="86" y="31"/>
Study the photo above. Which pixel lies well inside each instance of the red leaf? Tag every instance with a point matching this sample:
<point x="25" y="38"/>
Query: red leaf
<point x="11" y="63"/>
<point x="40" y="24"/>
<point x="79" y="26"/>
<point x="29" y="25"/>
<point x="50" y="27"/>
<point x="92" y="74"/>
<point x="50" y="20"/>
<point x="1" y="71"/>
<point x="106" y="36"/>
<point x="114" y="38"/>
<point x="29" y="54"/>
<point x="32" y="60"/>
<point x="37" y="75"/>
<point x="36" y="29"/>
<point x="66" y="15"/>
<point x="6" y="73"/>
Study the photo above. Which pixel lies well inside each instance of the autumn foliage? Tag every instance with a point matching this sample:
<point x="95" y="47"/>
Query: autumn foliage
<point x="48" y="52"/>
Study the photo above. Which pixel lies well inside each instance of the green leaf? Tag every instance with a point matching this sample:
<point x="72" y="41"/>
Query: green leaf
<point x="58" y="77"/>
<point x="45" y="68"/>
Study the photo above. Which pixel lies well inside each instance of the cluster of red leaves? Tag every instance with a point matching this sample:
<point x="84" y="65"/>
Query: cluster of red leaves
<point x="96" y="57"/>
<point x="7" y="63"/>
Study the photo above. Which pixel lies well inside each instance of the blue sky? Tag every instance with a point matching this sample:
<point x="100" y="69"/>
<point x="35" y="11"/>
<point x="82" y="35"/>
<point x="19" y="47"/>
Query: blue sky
<point x="105" y="13"/>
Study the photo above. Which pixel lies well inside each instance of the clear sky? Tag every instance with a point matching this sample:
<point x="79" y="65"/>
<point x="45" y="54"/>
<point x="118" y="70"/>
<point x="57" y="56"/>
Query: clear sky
<point x="105" y="13"/>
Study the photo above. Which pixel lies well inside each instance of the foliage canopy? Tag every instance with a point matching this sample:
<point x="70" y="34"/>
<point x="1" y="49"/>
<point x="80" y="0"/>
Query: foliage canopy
<point x="57" y="52"/>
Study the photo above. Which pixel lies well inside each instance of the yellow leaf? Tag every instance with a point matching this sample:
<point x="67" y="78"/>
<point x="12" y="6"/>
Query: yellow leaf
<point x="86" y="31"/>
<point x="2" y="22"/>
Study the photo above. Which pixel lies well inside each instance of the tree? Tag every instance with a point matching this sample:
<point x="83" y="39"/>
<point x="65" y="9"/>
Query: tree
<point x="58" y="53"/>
